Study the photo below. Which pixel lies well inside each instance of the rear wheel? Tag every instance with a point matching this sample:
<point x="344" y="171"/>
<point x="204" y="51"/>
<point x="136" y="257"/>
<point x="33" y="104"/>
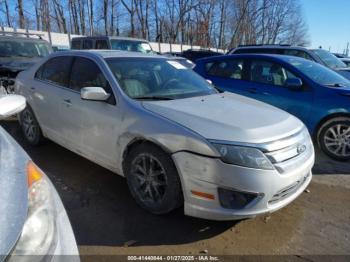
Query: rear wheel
<point x="334" y="138"/>
<point x="152" y="179"/>
<point x="30" y="127"/>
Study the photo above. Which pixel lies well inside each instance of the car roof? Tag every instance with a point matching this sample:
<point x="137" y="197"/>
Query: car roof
<point x="108" y="54"/>
<point x="284" y="58"/>
<point x="271" y="47"/>
<point x="109" y="37"/>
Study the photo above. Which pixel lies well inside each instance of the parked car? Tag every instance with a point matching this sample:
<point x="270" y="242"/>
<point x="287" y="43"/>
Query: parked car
<point x="19" y="51"/>
<point x="193" y="55"/>
<point x="320" y="56"/>
<point x="33" y="220"/>
<point x="112" y="42"/>
<point x="344" y="58"/>
<point x="312" y="92"/>
<point x="169" y="132"/>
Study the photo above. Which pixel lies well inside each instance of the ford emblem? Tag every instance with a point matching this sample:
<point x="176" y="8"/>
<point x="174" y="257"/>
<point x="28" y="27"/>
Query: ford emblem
<point x="301" y="149"/>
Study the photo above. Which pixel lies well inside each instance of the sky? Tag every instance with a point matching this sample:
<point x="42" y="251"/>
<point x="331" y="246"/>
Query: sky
<point x="328" y="22"/>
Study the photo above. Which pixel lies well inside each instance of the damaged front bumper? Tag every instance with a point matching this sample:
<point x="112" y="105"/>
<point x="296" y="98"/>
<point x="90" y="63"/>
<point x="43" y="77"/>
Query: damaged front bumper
<point x="230" y="192"/>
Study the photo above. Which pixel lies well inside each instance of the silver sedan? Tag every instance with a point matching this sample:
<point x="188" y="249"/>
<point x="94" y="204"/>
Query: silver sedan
<point x="176" y="139"/>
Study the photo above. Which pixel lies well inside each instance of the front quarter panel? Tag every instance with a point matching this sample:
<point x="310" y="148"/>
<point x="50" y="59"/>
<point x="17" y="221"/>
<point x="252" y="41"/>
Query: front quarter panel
<point x="328" y="102"/>
<point x="143" y="125"/>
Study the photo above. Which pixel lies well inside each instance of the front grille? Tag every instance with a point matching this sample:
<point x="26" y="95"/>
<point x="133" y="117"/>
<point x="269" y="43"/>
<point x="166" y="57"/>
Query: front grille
<point x="287" y="191"/>
<point x="293" y="151"/>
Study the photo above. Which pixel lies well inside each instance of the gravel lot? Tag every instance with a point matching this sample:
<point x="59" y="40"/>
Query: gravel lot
<point x="106" y="220"/>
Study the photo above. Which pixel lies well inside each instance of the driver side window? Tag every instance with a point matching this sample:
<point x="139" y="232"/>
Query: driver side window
<point x="269" y="73"/>
<point x="85" y="73"/>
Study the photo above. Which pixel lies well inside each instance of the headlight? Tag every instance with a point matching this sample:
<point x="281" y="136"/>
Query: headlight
<point x="39" y="231"/>
<point x="243" y="156"/>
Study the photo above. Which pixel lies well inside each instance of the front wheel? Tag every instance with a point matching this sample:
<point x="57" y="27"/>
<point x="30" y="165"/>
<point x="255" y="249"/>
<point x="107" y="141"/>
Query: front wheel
<point x="152" y="179"/>
<point x="30" y="127"/>
<point x="334" y="138"/>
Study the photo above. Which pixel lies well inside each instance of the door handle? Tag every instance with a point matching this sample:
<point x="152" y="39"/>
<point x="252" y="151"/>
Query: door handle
<point x="253" y="90"/>
<point x="32" y="88"/>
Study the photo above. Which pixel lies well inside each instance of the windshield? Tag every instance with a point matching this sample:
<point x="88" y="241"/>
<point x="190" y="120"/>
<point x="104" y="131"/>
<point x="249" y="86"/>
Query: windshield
<point x="24" y="48"/>
<point x="130" y="45"/>
<point x="329" y="59"/>
<point x="319" y="73"/>
<point x="157" y="79"/>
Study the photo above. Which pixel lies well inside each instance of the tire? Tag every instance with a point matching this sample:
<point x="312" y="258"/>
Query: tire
<point x="158" y="191"/>
<point x="334" y="138"/>
<point x="30" y="127"/>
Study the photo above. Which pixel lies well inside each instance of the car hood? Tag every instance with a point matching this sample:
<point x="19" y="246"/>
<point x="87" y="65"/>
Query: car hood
<point x="228" y="117"/>
<point x="17" y="64"/>
<point x="13" y="192"/>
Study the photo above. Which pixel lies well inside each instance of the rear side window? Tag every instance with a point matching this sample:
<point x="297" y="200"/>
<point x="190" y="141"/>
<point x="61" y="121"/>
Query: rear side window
<point x="87" y="44"/>
<point x="101" y="44"/>
<point x="269" y="73"/>
<point x="228" y="68"/>
<point x="76" y="44"/>
<point x="298" y="53"/>
<point x="55" y="70"/>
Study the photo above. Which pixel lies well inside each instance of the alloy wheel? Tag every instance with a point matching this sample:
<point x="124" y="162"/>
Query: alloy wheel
<point x="30" y="127"/>
<point x="337" y="140"/>
<point x="150" y="180"/>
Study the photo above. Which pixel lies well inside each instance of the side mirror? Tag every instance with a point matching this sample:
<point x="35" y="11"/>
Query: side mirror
<point x="11" y="105"/>
<point x="94" y="94"/>
<point x="294" y="83"/>
<point x="209" y="81"/>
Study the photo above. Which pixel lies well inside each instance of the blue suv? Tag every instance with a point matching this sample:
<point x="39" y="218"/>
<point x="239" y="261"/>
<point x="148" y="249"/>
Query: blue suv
<point x="312" y="92"/>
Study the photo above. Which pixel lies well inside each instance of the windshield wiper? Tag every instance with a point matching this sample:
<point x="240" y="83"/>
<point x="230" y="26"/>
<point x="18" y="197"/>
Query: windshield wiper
<point x="335" y="85"/>
<point x="153" y="98"/>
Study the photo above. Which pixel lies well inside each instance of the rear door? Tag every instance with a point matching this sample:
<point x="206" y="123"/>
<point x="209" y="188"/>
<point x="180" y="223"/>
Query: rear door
<point x="227" y="74"/>
<point x="50" y="82"/>
<point x="267" y="83"/>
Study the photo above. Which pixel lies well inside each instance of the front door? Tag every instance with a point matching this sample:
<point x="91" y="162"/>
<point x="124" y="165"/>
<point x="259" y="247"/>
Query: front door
<point x="92" y="127"/>
<point x="267" y="83"/>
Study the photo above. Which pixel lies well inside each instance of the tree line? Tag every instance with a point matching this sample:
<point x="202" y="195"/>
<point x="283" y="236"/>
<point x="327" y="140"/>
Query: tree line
<point x="208" y="23"/>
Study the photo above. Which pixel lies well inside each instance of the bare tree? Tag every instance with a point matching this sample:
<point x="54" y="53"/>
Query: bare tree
<point x="81" y="5"/>
<point x="74" y="17"/>
<point x="90" y="8"/>
<point x="131" y="10"/>
<point x="208" y="23"/>
<point x="61" y="19"/>
<point x="20" y="14"/>
<point x="7" y="13"/>
<point x="142" y="11"/>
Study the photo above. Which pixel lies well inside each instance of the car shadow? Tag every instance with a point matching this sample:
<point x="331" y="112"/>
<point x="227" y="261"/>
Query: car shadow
<point x="324" y="165"/>
<point x="100" y="207"/>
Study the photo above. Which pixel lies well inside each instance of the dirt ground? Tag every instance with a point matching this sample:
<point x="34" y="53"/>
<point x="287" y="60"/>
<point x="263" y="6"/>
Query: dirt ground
<point x="106" y="220"/>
